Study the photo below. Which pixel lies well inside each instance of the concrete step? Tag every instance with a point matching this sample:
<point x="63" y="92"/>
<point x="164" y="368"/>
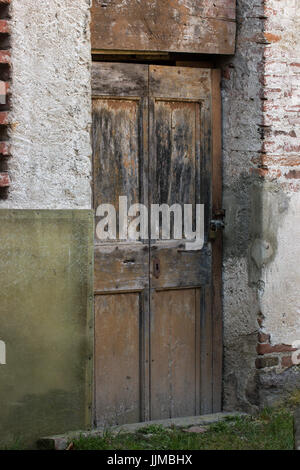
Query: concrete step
<point x="60" y="442"/>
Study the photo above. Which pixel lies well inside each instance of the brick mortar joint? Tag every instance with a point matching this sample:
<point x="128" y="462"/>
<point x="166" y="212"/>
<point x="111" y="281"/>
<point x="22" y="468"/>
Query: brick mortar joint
<point x="5" y="77"/>
<point x="276" y="171"/>
<point x="266" y="351"/>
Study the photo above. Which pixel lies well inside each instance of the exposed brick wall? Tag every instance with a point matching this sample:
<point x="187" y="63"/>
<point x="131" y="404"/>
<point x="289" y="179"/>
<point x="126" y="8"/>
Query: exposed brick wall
<point x="281" y="152"/>
<point x="278" y="356"/>
<point x="280" y="157"/>
<point x="5" y="95"/>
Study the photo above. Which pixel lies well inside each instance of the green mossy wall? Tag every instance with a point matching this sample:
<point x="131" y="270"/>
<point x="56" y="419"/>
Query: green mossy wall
<point x="46" y="322"/>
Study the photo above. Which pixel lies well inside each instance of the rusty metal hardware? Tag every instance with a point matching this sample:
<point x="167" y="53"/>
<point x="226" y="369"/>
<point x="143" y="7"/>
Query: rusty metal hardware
<point x="217" y="224"/>
<point x="156" y="268"/>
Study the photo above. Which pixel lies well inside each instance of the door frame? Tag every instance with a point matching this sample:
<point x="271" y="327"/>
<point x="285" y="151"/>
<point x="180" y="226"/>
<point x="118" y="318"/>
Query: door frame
<point x="217" y="244"/>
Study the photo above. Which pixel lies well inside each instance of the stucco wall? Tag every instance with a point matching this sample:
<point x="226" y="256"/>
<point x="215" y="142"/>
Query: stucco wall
<point x="281" y="302"/>
<point x="46" y="322"/>
<point x="51" y="105"/>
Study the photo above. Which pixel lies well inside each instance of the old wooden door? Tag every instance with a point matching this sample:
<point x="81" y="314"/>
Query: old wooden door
<point x="158" y="328"/>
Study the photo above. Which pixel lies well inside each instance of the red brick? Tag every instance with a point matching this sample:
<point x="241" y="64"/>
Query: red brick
<point x="295" y="174"/>
<point x="4" y="118"/>
<point x="277" y="348"/>
<point x="4" y="26"/>
<point x="262" y="172"/>
<point x="5" y="57"/>
<point x="286" y="160"/>
<point x="270" y="37"/>
<point x="4" y="148"/>
<point x="263" y="338"/>
<point x="4" y="180"/>
<point x="286" y="361"/>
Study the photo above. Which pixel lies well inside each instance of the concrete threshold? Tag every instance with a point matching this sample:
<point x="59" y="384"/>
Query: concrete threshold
<point x="61" y="442"/>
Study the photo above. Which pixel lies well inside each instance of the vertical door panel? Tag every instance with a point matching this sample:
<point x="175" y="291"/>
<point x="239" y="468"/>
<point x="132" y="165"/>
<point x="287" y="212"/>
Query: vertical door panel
<point x="117" y="159"/>
<point x="177" y="151"/>
<point x="175" y="352"/>
<point x="120" y="164"/>
<point x="117" y="358"/>
<point x="120" y="132"/>
<point x="180" y="169"/>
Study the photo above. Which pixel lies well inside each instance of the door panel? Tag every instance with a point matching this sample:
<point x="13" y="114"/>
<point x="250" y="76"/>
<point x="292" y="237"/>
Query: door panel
<point x="175" y="353"/>
<point x="121" y="267"/>
<point x="120" y="133"/>
<point x="177" y="150"/>
<point x="117" y="162"/>
<point x="117" y="353"/>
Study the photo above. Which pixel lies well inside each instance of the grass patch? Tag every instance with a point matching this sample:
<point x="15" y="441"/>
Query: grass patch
<point x="272" y="429"/>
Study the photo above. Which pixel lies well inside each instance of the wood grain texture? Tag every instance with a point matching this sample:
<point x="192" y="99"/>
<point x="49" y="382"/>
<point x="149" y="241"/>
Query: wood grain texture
<point x="119" y="79"/>
<point x="199" y="26"/>
<point x="120" y="133"/>
<point x="121" y="281"/>
<point x="179" y="82"/>
<point x="180" y="156"/>
<point x="179" y="267"/>
<point x="117" y="358"/>
<point x="121" y="267"/>
<point x="174" y="357"/>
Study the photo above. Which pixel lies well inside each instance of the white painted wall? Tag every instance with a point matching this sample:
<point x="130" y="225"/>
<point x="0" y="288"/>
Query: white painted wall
<point x="51" y="108"/>
<point x="280" y="301"/>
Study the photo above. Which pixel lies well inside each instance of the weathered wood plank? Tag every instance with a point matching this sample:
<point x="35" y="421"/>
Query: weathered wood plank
<point x="117" y="358"/>
<point x="174" y="366"/>
<point x="179" y="82"/>
<point x="199" y="26"/>
<point x="115" y="79"/>
<point x="121" y="267"/>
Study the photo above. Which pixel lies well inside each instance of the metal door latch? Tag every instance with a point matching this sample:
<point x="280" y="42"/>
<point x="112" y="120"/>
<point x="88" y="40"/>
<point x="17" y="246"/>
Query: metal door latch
<point x="217" y="223"/>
